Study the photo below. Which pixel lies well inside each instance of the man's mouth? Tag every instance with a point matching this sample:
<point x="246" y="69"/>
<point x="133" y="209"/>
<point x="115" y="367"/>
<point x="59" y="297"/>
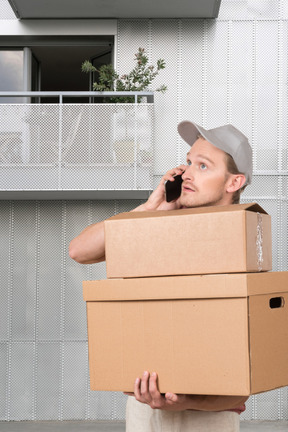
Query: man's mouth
<point x="188" y="188"/>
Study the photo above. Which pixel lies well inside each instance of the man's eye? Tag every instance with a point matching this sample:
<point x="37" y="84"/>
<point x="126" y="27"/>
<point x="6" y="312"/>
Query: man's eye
<point x="188" y="162"/>
<point x="203" y="166"/>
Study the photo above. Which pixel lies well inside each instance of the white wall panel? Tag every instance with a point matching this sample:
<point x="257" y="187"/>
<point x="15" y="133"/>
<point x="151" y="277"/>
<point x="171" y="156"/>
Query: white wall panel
<point x="47" y="382"/>
<point x="132" y="34"/>
<point x="217" y="74"/>
<point x="194" y="74"/>
<point x="21" y="403"/>
<point x="283" y="264"/>
<point x="284" y="9"/>
<point x="233" y="9"/>
<point x="266" y="91"/>
<point x="107" y="405"/>
<point x="101" y="405"/>
<point x="24" y="271"/>
<point x="3" y="379"/>
<point x="270" y="405"/>
<point x="75" y="372"/>
<point x="164" y="41"/>
<point x="5" y="274"/>
<point x="50" y="271"/>
<point x="251" y="9"/>
<point x="77" y="217"/>
<point x="283" y="94"/>
<point x="240" y="77"/>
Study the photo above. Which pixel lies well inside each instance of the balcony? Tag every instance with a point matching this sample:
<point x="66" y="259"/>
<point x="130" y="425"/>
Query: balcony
<point x="76" y="150"/>
<point x="53" y="9"/>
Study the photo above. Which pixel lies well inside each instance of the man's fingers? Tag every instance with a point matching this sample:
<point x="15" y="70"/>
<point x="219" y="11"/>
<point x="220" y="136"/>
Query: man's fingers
<point x="173" y="172"/>
<point x="157" y="399"/>
<point x="141" y="388"/>
<point x="153" y="385"/>
<point x="144" y="386"/>
<point x="137" y="392"/>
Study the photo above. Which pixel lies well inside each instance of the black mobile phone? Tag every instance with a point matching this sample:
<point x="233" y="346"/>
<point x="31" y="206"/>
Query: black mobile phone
<point x="173" y="188"/>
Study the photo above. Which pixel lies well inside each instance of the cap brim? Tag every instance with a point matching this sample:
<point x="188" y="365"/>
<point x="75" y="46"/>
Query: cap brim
<point x="190" y="131"/>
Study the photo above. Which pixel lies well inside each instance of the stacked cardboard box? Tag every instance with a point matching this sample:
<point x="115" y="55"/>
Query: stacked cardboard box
<point x="188" y="296"/>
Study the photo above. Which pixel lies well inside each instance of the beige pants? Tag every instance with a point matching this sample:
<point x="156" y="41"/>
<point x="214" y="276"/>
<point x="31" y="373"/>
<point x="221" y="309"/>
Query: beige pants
<point x="141" y="418"/>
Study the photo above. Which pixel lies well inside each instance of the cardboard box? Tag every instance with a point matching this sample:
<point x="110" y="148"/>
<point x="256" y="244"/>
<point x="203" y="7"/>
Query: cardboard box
<point x="227" y="239"/>
<point x="213" y="334"/>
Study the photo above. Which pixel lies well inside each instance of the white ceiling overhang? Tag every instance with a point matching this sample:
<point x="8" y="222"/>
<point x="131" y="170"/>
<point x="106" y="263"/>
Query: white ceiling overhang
<point x="71" y="9"/>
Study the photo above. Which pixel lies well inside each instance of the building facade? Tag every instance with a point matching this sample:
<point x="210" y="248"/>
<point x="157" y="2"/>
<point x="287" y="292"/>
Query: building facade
<point x="232" y="69"/>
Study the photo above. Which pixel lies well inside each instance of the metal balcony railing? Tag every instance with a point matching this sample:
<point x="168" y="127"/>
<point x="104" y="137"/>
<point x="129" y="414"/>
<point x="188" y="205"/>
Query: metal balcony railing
<point x="76" y="150"/>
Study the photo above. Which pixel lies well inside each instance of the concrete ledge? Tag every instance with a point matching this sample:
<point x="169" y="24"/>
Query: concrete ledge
<point x="63" y="426"/>
<point x="264" y="426"/>
<point x="119" y="426"/>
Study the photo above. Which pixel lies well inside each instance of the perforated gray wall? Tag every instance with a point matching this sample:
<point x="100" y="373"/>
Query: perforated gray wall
<point x="233" y="70"/>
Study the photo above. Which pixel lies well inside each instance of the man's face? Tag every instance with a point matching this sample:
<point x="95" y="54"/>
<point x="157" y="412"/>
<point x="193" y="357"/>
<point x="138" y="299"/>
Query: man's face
<point x="206" y="177"/>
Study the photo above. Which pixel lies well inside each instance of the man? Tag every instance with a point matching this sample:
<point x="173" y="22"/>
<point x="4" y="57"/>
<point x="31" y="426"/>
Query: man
<point x="218" y="168"/>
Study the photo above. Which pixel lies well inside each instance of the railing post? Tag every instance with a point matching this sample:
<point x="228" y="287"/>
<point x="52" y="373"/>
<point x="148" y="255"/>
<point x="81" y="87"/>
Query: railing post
<point x="135" y="141"/>
<point x="60" y="141"/>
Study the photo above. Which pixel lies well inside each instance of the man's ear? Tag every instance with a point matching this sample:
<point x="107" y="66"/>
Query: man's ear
<point x="235" y="182"/>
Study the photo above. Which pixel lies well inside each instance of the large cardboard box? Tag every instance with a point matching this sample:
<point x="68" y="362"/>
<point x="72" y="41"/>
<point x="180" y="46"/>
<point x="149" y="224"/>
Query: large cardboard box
<point x="228" y="239"/>
<point x="212" y="334"/>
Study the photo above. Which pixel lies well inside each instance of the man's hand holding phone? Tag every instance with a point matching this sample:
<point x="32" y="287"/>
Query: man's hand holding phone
<point x="157" y="200"/>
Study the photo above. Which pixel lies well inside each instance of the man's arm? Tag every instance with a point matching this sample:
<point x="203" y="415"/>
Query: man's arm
<point x="89" y="246"/>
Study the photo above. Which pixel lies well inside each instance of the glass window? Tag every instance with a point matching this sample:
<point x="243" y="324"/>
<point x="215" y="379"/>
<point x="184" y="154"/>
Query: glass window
<point x="61" y="68"/>
<point x="11" y="73"/>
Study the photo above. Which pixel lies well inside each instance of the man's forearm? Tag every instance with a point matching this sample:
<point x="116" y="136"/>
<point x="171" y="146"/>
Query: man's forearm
<point x="89" y="246"/>
<point x="215" y="403"/>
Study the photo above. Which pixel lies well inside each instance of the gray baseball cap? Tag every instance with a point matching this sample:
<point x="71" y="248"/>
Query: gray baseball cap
<point x="226" y="138"/>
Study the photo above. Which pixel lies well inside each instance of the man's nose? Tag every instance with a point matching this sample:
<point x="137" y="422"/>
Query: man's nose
<point x="188" y="173"/>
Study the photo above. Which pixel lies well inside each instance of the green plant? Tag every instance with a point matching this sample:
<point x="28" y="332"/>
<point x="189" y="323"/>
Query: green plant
<point x="139" y="79"/>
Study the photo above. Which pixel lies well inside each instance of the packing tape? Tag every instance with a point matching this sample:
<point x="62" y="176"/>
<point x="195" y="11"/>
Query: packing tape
<point x="259" y="241"/>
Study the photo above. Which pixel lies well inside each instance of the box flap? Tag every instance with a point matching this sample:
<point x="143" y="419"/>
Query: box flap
<point x="186" y="287"/>
<point x="254" y="207"/>
<point x="267" y="283"/>
<point x="165" y="288"/>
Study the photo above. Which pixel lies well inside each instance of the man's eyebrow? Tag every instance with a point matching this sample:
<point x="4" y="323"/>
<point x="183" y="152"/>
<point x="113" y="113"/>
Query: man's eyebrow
<point x="200" y="156"/>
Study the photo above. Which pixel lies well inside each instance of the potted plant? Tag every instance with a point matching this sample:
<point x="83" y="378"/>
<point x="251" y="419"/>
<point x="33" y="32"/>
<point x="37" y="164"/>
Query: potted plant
<point x="139" y="79"/>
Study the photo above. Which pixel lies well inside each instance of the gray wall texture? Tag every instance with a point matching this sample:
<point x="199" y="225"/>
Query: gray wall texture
<point x="229" y="70"/>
